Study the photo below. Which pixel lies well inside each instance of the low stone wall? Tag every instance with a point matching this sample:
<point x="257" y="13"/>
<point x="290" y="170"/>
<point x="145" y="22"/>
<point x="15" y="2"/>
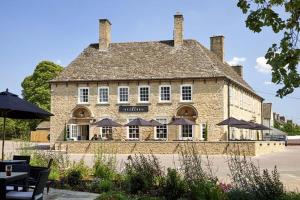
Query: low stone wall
<point x="249" y="148"/>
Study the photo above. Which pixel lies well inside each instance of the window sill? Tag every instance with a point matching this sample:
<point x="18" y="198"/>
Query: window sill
<point x="143" y="103"/>
<point x="166" y="102"/>
<point x="103" y="104"/>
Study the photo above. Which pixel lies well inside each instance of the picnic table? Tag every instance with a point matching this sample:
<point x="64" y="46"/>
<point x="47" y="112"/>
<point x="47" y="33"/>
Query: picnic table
<point x="5" y="180"/>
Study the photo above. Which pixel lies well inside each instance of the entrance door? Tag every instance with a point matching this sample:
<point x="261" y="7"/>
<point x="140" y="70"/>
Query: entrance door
<point x="77" y="132"/>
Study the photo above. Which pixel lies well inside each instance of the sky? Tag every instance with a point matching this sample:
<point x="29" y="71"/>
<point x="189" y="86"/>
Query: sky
<point x="58" y="30"/>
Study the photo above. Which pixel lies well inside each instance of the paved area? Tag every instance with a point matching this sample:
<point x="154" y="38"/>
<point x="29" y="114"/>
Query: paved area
<point x="287" y="162"/>
<point x="55" y="194"/>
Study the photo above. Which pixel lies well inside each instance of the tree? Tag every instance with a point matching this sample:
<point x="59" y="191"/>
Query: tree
<point x="283" y="16"/>
<point x="36" y="88"/>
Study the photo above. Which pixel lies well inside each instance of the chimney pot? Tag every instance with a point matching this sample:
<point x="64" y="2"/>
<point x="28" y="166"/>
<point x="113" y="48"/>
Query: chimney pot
<point x="178" y="30"/>
<point x="104" y="34"/>
<point x="217" y="46"/>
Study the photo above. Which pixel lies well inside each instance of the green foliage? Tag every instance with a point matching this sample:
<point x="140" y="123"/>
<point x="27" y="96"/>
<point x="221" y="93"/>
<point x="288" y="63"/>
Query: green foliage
<point x="15" y="129"/>
<point x="104" y="166"/>
<point x="80" y="167"/>
<point x="282" y="16"/>
<point x="74" y="177"/>
<point x="174" y="187"/>
<point x="113" y="196"/>
<point x="143" y="173"/>
<point x="36" y="88"/>
<point x="106" y="185"/>
<point x="290" y="196"/>
<point x="237" y="194"/>
<point x="206" y="189"/>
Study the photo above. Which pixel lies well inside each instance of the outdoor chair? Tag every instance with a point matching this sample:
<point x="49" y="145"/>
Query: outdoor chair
<point x="17" y="185"/>
<point x="34" y="174"/>
<point x="19" y="157"/>
<point x="36" y="194"/>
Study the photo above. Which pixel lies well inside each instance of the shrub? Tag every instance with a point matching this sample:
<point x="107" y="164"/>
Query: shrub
<point x="74" y="177"/>
<point x="106" y="185"/>
<point x="143" y="173"/>
<point x="248" y="177"/>
<point x="113" y="196"/>
<point x="174" y="187"/>
<point x="236" y="194"/>
<point x="206" y="189"/>
<point x="104" y="165"/>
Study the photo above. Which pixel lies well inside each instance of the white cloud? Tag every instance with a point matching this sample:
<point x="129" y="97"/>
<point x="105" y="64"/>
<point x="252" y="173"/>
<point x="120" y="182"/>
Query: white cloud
<point x="236" y="61"/>
<point x="262" y="66"/>
<point x="58" y="61"/>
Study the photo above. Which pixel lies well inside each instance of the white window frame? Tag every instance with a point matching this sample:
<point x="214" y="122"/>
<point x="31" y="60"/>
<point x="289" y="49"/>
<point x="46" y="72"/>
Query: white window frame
<point x="103" y="102"/>
<point x="186" y="85"/>
<point x="78" y="94"/>
<point x="121" y="102"/>
<point x="128" y="120"/>
<point x="139" y="93"/>
<point x="167" y="127"/>
<point x="186" y="138"/>
<point x="170" y="88"/>
<point x="201" y="130"/>
<point x="101" y="131"/>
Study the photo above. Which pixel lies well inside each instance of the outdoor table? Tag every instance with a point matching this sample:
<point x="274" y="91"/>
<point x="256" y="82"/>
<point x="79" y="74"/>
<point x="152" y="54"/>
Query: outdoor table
<point x="15" y="176"/>
<point x="3" y="163"/>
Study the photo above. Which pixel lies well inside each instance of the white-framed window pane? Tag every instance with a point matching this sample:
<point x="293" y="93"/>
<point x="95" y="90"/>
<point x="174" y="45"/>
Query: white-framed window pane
<point x="83" y="95"/>
<point x="144" y="94"/>
<point x="106" y="132"/>
<point x="187" y="131"/>
<point x="133" y="131"/>
<point x="162" y="131"/>
<point x="103" y="95"/>
<point x="165" y="93"/>
<point x="186" y="92"/>
<point x="123" y="94"/>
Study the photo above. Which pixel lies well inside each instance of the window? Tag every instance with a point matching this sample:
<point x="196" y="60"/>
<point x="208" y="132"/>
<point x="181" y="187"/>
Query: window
<point x="133" y="131"/>
<point x="165" y="93"/>
<point x="123" y="93"/>
<point x="144" y="93"/>
<point x="83" y="95"/>
<point x="103" y="93"/>
<point x="186" y="93"/>
<point x="186" y="132"/>
<point x="106" y="132"/>
<point x="161" y="132"/>
<point x="203" y="131"/>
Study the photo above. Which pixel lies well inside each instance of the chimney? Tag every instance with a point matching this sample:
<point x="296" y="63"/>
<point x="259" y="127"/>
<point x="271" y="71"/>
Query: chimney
<point x="238" y="69"/>
<point x="178" y="30"/>
<point x="217" y="46"/>
<point x="104" y="34"/>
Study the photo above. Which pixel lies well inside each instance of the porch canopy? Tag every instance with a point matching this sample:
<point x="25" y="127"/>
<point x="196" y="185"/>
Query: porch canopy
<point x="106" y="122"/>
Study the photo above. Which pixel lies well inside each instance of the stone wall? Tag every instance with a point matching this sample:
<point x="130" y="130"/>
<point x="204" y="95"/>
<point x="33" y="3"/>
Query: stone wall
<point x="249" y="148"/>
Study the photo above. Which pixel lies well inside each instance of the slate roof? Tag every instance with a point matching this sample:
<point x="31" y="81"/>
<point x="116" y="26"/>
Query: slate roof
<point x="266" y="110"/>
<point x="146" y="61"/>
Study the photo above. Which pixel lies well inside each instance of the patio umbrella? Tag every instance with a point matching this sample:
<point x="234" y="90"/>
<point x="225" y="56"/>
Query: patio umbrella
<point x="107" y="122"/>
<point x="155" y="123"/>
<point x="231" y="121"/>
<point x="139" y="122"/>
<point x="11" y="106"/>
<point x="182" y="121"/>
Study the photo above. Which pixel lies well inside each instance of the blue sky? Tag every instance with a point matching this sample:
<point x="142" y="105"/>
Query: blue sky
<point x="58" y="30"/>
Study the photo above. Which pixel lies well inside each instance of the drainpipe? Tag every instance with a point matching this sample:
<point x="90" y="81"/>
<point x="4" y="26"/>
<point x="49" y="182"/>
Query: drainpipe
<point x="228" y="109"/>
<point x="261" y="119"/>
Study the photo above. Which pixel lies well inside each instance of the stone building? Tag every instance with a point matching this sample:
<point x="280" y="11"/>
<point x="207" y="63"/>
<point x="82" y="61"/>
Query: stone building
<point x="159" y="80"/>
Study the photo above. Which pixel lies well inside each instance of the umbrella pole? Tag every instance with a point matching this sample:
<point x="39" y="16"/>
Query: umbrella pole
<point x="3" y="139"/>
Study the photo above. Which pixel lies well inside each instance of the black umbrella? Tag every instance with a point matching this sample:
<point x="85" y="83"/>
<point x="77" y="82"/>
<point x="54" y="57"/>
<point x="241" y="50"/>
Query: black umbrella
<point x="182" y="121"/>
<point x="155" y="123"/>
<point x="139" y="122"/>
<point x="106" y="122"/>
<point x="231" y="121"/>
<point x="11" y="106"/>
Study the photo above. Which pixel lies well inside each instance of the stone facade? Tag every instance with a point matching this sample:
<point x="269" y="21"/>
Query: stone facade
<point x="248" y="148"/>
<point x="209" y="101"/>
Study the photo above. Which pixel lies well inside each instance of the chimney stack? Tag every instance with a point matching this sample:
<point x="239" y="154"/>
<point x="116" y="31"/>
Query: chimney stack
<point x="217" y="46"/>
<point x="104" y="34"/>
<point x="178" y="30"/>
<point x="238" y="69"/>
